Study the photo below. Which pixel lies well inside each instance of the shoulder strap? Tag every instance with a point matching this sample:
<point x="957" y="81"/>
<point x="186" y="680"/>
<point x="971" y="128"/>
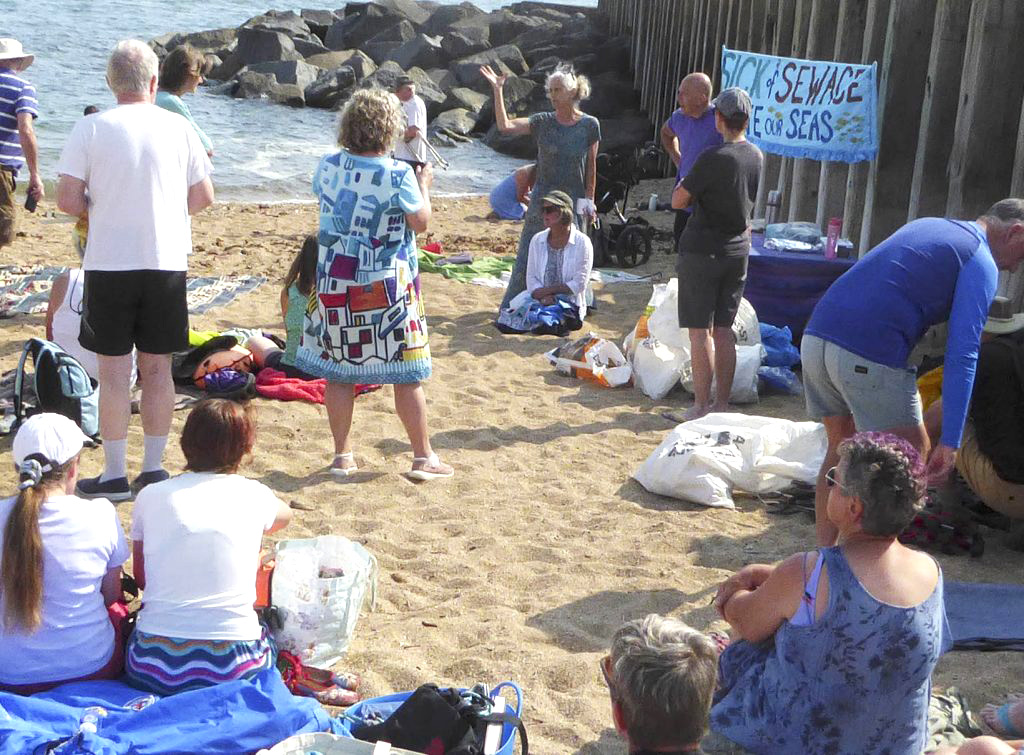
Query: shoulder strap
<point x="32" y="346"/>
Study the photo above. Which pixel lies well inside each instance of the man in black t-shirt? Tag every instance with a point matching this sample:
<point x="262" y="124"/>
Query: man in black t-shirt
<point x="713" y="249"/>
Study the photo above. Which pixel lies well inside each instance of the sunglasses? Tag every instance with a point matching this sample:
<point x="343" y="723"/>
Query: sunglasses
<point x="831" y="481"/>
<point x="546" y="209"/>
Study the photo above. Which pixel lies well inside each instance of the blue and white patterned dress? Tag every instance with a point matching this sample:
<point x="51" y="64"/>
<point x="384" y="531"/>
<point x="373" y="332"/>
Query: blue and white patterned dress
<point x="365" y="322"/>
<point x="856" y="681"/>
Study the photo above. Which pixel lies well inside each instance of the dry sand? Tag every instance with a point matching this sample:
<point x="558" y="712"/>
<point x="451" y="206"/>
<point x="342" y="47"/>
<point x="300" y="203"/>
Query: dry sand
<point x="524" y="564"/>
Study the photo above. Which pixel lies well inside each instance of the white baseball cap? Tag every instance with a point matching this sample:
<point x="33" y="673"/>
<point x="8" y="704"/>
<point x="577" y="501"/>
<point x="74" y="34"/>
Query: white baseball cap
<point x="53" y="436"/>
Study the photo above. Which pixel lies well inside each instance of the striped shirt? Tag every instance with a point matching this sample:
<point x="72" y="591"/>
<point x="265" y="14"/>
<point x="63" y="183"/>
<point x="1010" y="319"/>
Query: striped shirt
<point x="16" y="96"/>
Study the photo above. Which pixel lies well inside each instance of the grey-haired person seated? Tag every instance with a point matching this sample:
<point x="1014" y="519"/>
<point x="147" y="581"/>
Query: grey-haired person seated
<point x="661" y="676"/>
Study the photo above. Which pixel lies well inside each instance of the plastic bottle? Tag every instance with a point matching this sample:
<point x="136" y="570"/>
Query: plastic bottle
<point x="652" y="203"/>
<point x="835" y="227"/>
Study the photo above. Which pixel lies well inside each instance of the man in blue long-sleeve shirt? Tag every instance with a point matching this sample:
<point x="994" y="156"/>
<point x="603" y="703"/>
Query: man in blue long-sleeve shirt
<point x="856" y="346"/>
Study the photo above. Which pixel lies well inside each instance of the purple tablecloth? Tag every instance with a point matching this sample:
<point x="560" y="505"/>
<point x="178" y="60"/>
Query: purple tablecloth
<point x="785" y="286"/>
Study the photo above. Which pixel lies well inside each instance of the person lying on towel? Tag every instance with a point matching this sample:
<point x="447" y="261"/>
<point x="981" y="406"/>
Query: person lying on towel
<point x="196" y="542"/>
<point x="61" y="566"/>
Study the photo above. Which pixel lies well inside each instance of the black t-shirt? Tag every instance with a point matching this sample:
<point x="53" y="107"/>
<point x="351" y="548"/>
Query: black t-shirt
<point x="997" y="405"/>
<point x="723" y="184"/>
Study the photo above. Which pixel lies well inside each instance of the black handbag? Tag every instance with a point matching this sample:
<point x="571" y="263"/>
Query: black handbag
<point x="441" y="721"/>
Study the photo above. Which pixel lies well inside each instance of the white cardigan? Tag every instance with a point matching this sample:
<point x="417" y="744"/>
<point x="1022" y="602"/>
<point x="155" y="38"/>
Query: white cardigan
<point x="577" y="261"/>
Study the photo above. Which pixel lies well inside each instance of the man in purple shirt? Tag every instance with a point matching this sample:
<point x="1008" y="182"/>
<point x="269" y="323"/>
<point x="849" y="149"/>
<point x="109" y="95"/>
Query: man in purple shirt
<point x="688" y="132"/>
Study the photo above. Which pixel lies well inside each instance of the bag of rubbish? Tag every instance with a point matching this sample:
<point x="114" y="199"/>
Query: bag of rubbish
<point x="744" y="382"/>
<point x="779" y="350"/>
<point x="594" y="359"/>
<point x="780" y="380"/>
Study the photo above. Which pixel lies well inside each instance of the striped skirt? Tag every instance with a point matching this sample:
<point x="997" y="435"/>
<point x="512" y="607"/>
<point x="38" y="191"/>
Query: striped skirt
<point x="167" y="665"/>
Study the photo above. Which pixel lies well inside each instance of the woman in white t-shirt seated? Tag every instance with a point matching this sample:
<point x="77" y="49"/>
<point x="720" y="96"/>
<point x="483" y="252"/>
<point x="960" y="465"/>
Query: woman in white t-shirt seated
<point x="560" y="256"/>
<point x="60" y="569"/>
<point x="196" y="547"/>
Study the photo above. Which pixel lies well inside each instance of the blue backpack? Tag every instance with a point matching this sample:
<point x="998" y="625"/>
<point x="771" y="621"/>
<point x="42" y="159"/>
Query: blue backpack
<point x="62" y="386"/>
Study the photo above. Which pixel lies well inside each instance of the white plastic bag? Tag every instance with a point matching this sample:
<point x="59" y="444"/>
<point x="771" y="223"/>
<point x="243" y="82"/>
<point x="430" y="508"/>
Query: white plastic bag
<point x="597" y="360"/>
<point x="664" y="321"/>
<point x="330" y="744"/>
<point x="657" y="368"/>
<point x="318" y="588"/>
<point x="704" y="460"/>
<point x="744" y="381"/>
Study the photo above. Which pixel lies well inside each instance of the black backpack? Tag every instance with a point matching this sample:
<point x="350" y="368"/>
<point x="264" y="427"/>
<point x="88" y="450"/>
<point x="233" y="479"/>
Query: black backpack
<point x="62" y="386"/>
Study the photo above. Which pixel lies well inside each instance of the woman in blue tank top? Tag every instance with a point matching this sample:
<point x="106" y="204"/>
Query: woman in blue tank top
<point x="833" y="650"/>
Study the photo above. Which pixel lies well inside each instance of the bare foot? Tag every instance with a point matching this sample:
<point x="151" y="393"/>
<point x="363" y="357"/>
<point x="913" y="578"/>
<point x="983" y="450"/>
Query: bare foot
<point x="696" y="412"/>
<point x="1013" y="715"/>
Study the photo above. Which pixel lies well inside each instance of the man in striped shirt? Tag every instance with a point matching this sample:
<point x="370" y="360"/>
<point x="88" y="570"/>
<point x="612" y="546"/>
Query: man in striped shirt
<point x="18" y="108"/>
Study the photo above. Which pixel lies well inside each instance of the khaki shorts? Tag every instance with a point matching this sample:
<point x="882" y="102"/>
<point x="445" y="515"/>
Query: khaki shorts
<point x="8" y="212"/>
<point x="998" y="494"/>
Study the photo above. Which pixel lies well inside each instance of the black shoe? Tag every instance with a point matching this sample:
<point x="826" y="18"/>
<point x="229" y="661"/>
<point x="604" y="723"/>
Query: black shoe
<point x="148" y="478"/>
<point x="113" y="490"/>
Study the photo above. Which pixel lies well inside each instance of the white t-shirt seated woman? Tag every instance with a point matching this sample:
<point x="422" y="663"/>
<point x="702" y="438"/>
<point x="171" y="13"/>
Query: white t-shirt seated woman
<point x="573" y="271"/>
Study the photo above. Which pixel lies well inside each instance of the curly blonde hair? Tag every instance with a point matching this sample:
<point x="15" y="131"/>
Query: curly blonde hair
<point x="371" y="121"/>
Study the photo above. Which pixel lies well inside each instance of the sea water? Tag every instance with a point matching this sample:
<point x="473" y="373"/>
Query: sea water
<point x="264" y="152"/>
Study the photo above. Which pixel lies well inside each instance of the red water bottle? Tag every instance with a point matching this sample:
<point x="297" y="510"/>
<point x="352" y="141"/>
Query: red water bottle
<point x="835" y="227"/>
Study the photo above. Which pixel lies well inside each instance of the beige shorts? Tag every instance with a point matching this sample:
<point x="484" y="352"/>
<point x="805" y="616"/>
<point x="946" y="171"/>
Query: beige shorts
<point x="1005" y="497"/>
<point x="8" y="211"/>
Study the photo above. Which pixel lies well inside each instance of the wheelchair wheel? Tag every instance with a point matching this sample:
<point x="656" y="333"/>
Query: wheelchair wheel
<point x="633" y="246"/>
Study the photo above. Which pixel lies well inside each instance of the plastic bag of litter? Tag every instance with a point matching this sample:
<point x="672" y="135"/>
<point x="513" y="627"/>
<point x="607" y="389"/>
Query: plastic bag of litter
<point x="318" y="587"/>
<point x="744" y="382"/>
<point x="594" y="359"/>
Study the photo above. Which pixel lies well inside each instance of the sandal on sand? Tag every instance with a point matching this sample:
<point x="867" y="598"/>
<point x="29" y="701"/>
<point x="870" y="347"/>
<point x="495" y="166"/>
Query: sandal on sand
<point x="1001" y="714"/>
<point x="323" y="685"/>
<point x="342" y="471"/>
<point x="432" y="469"/>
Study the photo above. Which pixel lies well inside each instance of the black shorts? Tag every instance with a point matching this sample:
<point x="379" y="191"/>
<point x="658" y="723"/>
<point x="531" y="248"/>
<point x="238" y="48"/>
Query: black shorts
<point x="142" y="308"/>
<point x="710" y="289"/>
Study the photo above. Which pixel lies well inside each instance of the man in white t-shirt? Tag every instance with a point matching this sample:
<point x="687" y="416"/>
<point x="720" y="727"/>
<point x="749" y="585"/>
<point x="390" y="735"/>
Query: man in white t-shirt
<point x="140" y="171"/>
<point x="412" y="146"/>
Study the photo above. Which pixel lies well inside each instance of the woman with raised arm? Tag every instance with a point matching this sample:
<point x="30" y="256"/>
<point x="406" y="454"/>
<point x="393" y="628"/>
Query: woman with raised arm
<point x="567" y="143"/>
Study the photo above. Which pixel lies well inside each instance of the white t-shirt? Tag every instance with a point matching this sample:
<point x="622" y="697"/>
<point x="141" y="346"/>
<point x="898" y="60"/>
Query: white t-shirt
<point x="82" y="541"/>
<point x="201" y="535"/>
<point x="415" y="115"/>
<point x="138" y="162"/>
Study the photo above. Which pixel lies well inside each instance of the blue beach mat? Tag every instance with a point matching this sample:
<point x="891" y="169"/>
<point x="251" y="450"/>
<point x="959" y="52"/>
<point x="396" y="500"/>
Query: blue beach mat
<point x="985" y="616"/>
<point x="235" y="717"/>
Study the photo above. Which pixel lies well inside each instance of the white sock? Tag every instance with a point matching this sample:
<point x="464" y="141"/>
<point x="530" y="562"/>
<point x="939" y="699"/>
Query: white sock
<point x="114" y="452"/>
<point x="153" y="452"/>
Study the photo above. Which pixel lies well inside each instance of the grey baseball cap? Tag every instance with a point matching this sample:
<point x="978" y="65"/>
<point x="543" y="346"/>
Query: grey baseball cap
<point x="733" y="101"/>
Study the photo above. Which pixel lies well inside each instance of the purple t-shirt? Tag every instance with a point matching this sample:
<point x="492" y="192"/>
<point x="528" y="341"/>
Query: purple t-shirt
<point x="695" y="135"/>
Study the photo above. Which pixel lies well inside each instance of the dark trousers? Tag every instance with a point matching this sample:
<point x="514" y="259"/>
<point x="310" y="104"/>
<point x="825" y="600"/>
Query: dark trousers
<point x="682" y="218"/>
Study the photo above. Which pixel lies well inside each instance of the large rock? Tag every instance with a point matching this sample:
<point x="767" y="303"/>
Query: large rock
<point x="458" y="121"/>
<point x="460" y="43"/>
<point x="219" y="42"/>
<point x="331" y="88"/>
<point x="523" y="146"/>
<point x="422" y="51"/>
<point x="504" y="58"/>
<point x="307" y="49"/>
<point x="432" y="97"/>
<point x="357" y="60"/>
<point x="287" y="71"/>
<point x="409" y="9"/>
<point x="319" y="21"/>
<point x="626" y="130"/>
<point x="256" y="46"/>
<point x="507" y="26"/>
<point x="611" y="94"/>
<point x="355" y="30"/>
<point x="289" y="23"/>
<point x="463" y="97"/>
<point x="381" y="46"/>
<point x="443" y="78"/>
<point x="442" y="19"/>
<point x="385" y="77"/>
<point x="251" y="85"/>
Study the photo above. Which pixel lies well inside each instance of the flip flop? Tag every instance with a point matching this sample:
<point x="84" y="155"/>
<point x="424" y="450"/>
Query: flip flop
<point x="1006" y="729"/>
<point x="326" y="687"/>
<point x="430" y="463"/>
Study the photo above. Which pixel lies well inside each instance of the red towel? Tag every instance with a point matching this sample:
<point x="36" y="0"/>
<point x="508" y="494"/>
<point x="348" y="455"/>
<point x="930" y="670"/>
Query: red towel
<point x="271" y="383"/>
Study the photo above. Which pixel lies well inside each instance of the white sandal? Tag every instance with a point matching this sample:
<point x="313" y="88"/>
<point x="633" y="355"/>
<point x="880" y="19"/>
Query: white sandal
<point x="344" y="471"/>
<point x="430" y="462"/>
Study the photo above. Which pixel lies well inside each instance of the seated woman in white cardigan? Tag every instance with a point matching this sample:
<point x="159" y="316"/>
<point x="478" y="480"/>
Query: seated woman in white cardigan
<point x="561" y="256"/>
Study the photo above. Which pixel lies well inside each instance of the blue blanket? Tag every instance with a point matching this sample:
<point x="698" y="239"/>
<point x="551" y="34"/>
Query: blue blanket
<point x="235" y="717"/>
<point x="985" y="616"/>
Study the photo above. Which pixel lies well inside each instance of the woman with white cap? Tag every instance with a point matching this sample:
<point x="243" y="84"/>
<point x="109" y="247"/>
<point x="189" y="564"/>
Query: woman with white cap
<point x="60" y="566"/>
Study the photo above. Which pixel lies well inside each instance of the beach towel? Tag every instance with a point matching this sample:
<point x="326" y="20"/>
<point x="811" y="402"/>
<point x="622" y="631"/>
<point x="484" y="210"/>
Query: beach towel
<point x="271" y="383"/>
<point x="25" y="290"/>
<point x="985" y="616"/>
<point x="483" y="267"/>
<point x="235" y="717"/>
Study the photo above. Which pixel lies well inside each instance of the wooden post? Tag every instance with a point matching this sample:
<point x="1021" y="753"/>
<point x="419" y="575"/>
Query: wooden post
<point x="1017" y="185"/>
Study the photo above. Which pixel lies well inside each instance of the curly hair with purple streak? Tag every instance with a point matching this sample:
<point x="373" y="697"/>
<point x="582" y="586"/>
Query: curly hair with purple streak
<point x="887" y="474"/>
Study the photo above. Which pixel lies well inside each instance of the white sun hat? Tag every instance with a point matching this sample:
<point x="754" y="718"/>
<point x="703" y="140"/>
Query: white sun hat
<point x="10" y="49"/>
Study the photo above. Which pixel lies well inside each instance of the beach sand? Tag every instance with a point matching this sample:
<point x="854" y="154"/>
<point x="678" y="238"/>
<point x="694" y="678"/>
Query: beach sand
<point x="524" y="564"/>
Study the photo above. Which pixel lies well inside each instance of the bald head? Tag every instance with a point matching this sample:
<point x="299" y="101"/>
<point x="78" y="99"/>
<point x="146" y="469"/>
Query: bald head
<point x="694" y="94"/>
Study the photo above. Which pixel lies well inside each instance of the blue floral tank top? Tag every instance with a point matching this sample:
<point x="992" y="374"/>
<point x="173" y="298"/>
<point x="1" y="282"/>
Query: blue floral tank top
<point x="855" y="681"/>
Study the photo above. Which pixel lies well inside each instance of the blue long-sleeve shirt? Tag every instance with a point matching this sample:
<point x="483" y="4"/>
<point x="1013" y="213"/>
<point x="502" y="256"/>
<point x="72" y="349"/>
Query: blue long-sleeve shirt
<point x="930" y="271"/>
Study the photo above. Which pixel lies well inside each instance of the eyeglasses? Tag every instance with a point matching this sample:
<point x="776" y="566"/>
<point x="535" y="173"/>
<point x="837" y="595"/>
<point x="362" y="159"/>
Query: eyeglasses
<point x="550" y="208"/>
<point x="831" y="481"/>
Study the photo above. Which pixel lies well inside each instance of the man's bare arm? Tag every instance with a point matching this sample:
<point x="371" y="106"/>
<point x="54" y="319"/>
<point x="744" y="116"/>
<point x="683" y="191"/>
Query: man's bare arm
<point x="200" y="196"/>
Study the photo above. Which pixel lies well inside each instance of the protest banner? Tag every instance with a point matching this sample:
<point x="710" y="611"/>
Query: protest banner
<point x="823" y="110"/>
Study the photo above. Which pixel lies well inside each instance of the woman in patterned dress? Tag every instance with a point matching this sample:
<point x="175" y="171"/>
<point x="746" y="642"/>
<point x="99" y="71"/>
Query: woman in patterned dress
<point x="567" y="143"/>
<point x="365" y="321"/>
